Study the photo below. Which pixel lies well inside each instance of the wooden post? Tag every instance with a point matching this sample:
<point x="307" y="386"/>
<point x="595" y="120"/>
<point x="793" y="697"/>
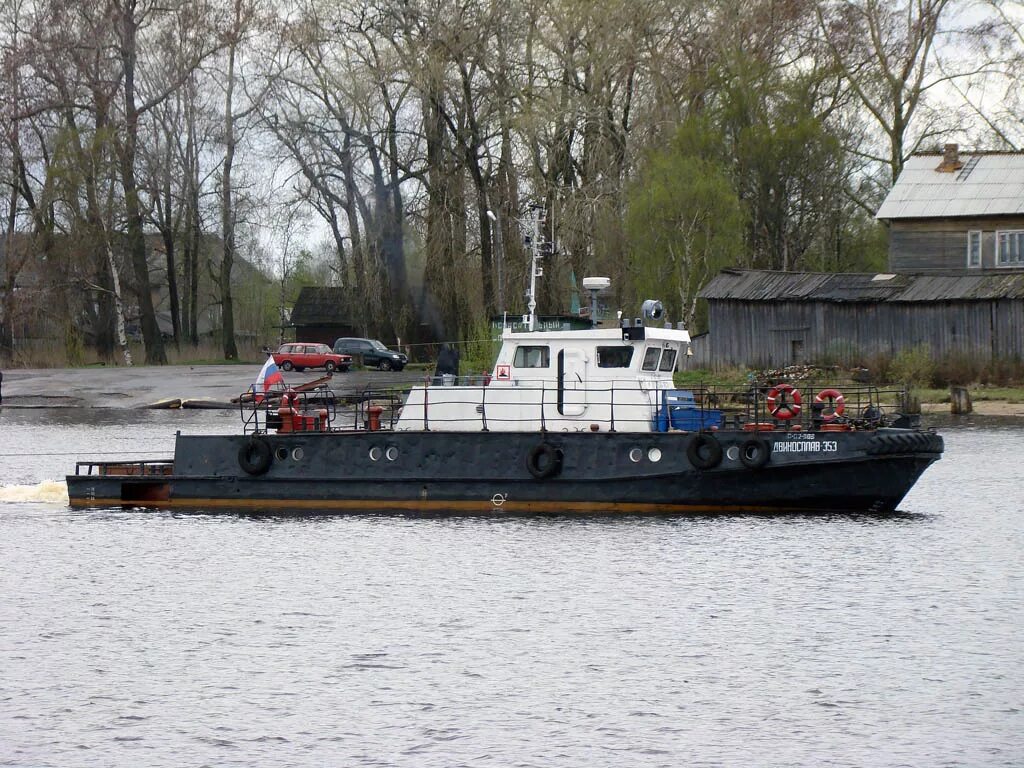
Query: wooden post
<point x="910" y="402"/>
<point x="959" y="400"/>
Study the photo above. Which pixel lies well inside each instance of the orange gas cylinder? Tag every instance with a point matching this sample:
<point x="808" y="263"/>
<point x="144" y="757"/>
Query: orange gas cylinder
<point x="373" y="418"/>
<point x="286" y="414"/>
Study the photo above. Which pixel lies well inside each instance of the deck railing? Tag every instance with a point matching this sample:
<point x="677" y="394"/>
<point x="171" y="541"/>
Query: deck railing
<point x="612" y="406"/>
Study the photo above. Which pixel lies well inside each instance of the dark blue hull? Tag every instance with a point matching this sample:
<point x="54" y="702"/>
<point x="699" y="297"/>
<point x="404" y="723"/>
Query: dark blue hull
<point x="500" y="472"/>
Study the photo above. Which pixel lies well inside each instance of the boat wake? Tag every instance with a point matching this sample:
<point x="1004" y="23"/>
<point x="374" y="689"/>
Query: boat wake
<point x="46" y="492"/>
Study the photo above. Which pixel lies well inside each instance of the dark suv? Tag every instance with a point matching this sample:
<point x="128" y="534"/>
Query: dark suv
<point x="374" y="354"/>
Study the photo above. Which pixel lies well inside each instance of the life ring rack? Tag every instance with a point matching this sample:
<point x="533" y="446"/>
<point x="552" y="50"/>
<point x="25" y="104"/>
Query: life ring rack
<point x="836" y="404"/>
<point x="784" y="402"/>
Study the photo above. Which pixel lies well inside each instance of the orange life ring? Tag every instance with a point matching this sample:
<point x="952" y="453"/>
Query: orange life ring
<point x="777" y="405"/>
<point x="836" y="403"/>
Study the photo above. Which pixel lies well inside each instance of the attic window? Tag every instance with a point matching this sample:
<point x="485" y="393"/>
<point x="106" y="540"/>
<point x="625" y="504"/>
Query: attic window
<point x="882" y="277"/>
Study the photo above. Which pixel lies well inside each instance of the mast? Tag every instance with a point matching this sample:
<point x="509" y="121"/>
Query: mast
<point x="535" y="271"/>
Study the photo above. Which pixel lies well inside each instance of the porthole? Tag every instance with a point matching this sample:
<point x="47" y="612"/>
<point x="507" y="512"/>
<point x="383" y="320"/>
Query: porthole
<point x="297" y="454"/>
<point x="375" y="454"/>
<point x="391" y="453"/>
<point x="654" y="454"/>
<point x="281" y="453"/>
<point x="635" y="454"/>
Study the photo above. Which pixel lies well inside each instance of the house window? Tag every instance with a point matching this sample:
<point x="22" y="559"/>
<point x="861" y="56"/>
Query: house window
<point x="974" y="248"/>
<point x="614" y="357"/>
<point x="1010" y="248"/>
<point x="531" y="357"/>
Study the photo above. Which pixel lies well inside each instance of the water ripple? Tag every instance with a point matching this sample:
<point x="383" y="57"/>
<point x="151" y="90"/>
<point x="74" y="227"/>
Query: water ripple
<point x="133" y="638"/>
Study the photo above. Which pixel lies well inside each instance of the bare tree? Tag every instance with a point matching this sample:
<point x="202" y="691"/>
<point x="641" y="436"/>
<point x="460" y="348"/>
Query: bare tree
<point x="886" y="52"/>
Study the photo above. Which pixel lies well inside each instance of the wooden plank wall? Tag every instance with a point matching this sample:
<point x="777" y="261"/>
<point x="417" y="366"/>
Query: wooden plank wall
<point x="770" y="333"/>
<point x="941" y="245"/>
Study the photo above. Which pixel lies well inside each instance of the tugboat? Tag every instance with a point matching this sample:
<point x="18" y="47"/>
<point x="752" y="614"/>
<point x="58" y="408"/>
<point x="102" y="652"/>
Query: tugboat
<point x="567" y="421"/>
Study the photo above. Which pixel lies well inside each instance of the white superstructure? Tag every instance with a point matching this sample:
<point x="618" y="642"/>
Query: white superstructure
<point x="586" y="380"/>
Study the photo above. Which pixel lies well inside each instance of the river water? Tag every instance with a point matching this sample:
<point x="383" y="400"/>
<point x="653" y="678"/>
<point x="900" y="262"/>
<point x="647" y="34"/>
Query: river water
<point x="168" y="639"/>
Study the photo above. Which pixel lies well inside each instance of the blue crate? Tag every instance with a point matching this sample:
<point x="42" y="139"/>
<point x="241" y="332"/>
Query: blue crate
<point x="679" y="409"/>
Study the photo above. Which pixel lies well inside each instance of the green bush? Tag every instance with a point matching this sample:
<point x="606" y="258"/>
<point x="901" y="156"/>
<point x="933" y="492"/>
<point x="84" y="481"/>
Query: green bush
<point x="1002" y="372"/>
<point x="913" y="367"/>
<point x="480" y="349"/>
<point x="956" y="368"/>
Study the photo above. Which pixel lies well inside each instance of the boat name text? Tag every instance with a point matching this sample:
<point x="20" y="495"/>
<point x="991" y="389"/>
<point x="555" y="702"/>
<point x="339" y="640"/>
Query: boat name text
<point x="806" y="446"/>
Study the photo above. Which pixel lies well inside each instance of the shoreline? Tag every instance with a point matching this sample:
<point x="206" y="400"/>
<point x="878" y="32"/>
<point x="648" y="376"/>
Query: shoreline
<point x="216" y="385"/>
<point x="980" y="408"/>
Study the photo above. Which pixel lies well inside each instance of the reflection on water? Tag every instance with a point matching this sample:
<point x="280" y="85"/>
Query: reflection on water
<point x="136" y="637"/>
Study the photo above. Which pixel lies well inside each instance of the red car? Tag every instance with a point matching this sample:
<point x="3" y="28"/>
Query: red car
<point x="299" y="356"/>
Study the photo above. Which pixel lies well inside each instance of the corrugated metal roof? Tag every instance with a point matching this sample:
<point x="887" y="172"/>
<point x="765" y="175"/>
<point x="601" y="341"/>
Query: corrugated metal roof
<point x="759" y="285"/>
<point x="994" y="187"/>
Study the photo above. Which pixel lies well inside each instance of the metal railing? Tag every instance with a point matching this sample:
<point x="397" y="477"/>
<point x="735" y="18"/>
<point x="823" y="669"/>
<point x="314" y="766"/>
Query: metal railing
<point x="614" y="406"/>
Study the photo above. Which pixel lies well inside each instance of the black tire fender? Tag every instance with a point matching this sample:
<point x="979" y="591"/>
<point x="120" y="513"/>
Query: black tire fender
<point x="754" y="453"/>
<point x="544" y="461"/>
<point x="255" y="456"/>
<point x="704" y="451"/>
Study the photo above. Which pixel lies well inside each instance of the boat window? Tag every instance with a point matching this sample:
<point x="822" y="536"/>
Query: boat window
<point x="668" y="360"/>
<point x="531" y="357"/>
<point x="614" y="357"/>
<point x="651" y="359"/>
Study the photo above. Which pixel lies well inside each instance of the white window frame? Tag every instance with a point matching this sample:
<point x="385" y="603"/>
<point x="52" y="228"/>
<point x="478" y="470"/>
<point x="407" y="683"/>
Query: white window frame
<point x="973" y="238"/>
<point x="1009" y="236"/>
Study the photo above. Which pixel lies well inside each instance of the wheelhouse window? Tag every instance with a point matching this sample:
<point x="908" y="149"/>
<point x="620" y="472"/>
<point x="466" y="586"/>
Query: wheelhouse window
<point x="668" y="360"/>
<point x="651" y="357"/>
<point x="974" y="248"/>
<point x="614" y="357"/>
<point x="1010" y="248"/>
<point x="532" y="357"/>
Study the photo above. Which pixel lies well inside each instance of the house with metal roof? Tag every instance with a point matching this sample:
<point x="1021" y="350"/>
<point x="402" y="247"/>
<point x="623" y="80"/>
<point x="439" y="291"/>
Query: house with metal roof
<point x="957" y="211"/>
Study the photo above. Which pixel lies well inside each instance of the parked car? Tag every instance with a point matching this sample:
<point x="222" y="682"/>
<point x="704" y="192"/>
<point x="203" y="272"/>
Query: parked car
<point x="374" y="354"/>
<point x="300" y="356"/>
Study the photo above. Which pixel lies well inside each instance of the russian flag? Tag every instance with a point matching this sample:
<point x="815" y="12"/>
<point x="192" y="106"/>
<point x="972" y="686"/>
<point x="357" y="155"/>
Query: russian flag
<point x="270" y="375"/>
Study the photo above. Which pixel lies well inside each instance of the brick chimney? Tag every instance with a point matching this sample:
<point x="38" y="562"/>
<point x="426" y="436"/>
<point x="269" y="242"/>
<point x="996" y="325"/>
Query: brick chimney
<point x="950" y="159"/>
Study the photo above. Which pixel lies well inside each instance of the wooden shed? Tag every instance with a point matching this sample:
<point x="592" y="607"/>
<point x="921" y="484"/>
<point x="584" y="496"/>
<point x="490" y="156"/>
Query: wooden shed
<point x="782" y="318"/>
<point x="323" y="314"/>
